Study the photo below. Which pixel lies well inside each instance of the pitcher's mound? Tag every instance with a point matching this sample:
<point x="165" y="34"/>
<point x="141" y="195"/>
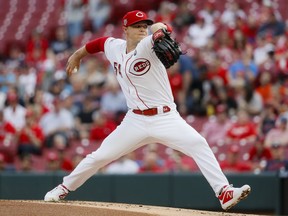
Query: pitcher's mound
<point x="78" y="208"/>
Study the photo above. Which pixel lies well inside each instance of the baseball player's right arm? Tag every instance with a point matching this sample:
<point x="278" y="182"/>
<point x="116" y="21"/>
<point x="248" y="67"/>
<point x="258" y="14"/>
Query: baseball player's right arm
<point x="91" y="47"/>
<point x="74" y="60"/>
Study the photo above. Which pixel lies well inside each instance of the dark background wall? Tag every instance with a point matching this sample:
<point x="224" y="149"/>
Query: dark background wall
<point x="192" y="191"/>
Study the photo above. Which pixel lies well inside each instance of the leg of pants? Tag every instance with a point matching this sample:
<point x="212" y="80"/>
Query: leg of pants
<point x="174" y="132"/>
<point x="128" y="136"/>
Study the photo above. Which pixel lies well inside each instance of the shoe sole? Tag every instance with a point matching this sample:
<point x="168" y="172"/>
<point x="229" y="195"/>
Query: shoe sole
<point x="52" y="200"/>
<point x="243" y="196"/>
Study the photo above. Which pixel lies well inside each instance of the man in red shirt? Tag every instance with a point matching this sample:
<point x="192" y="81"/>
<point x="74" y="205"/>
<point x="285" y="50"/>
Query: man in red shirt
<point x="233" y="163"/>
<point x="151" y="163"/>
<point x="101" y="127"/>
<point x="242" y="130"/>
<point x="259" y="153"/>
<point x="7" y="139"/>
<point x="30" y="137"/>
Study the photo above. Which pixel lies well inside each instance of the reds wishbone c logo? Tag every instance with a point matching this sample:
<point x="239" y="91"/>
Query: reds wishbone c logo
<point x="139" y="14"/>
<point x="139" y="67"/>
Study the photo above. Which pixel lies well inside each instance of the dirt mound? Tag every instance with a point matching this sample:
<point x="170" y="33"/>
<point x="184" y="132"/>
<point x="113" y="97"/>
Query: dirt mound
<point x="78" y="208"/>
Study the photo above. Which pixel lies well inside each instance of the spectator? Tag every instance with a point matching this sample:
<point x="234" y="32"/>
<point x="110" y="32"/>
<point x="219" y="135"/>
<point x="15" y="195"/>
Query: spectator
<point x="237" y="34"/>
<point x="36" y="48"/>
<point x="85" y="115"/>
<point x="94" y="72"/>
<point x="195" y="91"/>
<point x="281" y="56"/>
<point x="57" y="125"/>
<point x="224" y="48"/>
<point x="210" y="13"/>
<point x="282" y="93"/>
<point x="84" y="118"/>
<point x="178" y="162"/>
<point x="30" y="138"/>
<point x="27" y="81"/>
<point x="14" y="112"/>
<point x="76" y="158"/>
<point x="99" y="13"/>
<point x="15" y="55"/>
<point x="233" y="162"/>
<point x="39" y="103"/>
<point x="124" y="165"/>
<point x="271" y="26"/>
<point x="242" y="130"/>
<point x="248" y="98"/>
<point x="113" y="100"/>
<point x="150" y="163"/>
<point x="217" y="72"/>
<point x="66" y="162"/>
<point x="61" y="81"/>
<point x="231" y="12"/>
<point x="78" y="93"/>
<point x="165" y="12"/>
<point x="190" y="75"/>
<point x="8" y="80"/>
<point x="271" y="62"/>
<point x="217" y="90"/>
<point x="249" y="29"/>
<point x="243" y="68"/>
<point x="259" y="154"/>
<point x="102" y="126"/>
<point x="53" y="162"/>
<point x="25" y="163"/>
<point x="57" y="161"/>
<point x="176" y="82"/>
<point x="265" y="87"/>
<point x="278" y="162"/>
<point x="215" y="129"/>
<point x="183" y="16"/>
<point x="262" y="51"/>
<point x="200" y="32"/>
<point x="7" y="139"/>
<point x="95" y="92"/>
<point x="2" y="163"/>
<point x="61" y="42"/>
<point x="268" y="118"/>
<point x="279" y="134"/>
<point x="75" y="16"/>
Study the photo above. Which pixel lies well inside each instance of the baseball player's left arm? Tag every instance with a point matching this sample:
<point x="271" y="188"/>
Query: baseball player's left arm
<point x="156" y="26"/>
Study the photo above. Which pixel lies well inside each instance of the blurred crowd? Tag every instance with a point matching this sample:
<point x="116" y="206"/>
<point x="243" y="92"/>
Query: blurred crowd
<point x="233" y="77"/>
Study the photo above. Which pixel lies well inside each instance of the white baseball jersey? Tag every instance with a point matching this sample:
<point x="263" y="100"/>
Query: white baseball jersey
<point x="141" y="75"/>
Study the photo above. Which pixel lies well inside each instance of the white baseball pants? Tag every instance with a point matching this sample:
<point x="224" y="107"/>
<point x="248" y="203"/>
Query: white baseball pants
<point x="135" y="131"/>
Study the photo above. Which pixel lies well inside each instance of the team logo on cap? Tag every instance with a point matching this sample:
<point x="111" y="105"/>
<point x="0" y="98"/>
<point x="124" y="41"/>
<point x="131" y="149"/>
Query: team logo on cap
<point x="139" y="14"/>
<point x="139" y="67"/>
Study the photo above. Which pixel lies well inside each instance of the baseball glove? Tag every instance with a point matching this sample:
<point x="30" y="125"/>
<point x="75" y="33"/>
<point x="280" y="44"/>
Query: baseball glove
<point x="167" y="50"/>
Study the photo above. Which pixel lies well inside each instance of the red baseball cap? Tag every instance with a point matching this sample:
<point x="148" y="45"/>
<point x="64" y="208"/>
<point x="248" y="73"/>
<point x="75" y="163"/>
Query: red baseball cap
<point x="135" y="16"/>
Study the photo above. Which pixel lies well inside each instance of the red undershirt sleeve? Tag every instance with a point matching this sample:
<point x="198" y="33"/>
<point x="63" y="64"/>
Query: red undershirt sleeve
<point x="96" y="45"/>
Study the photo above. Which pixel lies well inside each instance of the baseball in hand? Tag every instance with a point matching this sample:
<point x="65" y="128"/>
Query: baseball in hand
<point x="75" y="70"/>
<point x="158" y="26"/>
